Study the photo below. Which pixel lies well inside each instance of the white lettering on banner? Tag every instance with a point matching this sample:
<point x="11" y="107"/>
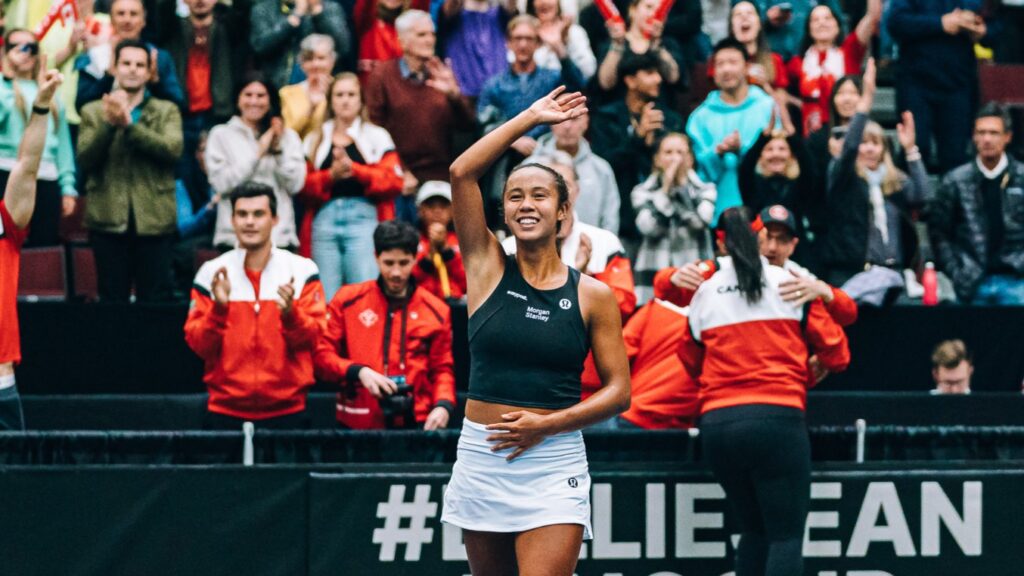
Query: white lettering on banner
<point x="603" y="546"/>
<point x="936" y="508"/>
<point x="688" y="520"/>
<point x="881" y="498"/>
<point x="655" y="532"/>
<point x="815" y="519"/>
<point x="393" y="512"/>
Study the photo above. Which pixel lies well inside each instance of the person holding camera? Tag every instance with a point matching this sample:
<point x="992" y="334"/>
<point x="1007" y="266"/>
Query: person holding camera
<point x="389" y="343"/>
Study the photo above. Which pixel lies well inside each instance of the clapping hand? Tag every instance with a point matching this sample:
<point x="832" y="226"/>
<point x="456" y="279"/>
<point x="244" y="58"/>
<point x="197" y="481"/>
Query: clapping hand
<point x="221" y="287"/>
<point x="730" y="143"/>
<point x="286" y="297"/>
<point x="442" y="78"/>
<point x="438" y="235"/>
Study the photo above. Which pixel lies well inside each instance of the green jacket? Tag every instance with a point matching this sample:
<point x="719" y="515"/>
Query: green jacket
<point x="131" y="168"/>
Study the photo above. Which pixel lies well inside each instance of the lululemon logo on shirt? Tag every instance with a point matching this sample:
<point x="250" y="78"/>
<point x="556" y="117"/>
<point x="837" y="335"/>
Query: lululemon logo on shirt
<point x="573" y="483"/>
<point x="564" y="304"/>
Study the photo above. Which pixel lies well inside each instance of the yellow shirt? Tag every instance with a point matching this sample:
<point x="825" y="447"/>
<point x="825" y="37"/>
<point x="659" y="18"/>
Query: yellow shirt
<point x="297" y="112"/>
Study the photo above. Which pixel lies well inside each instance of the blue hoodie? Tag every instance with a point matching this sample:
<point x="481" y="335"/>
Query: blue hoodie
<point x="711" y="122"/>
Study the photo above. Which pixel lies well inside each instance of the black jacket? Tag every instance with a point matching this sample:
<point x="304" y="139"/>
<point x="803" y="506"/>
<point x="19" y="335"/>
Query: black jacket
<point x="847" y="208"/>
<point x="958" y="229"/>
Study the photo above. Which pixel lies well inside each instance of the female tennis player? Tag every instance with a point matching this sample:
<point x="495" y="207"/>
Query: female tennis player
<point x="749" y="349"/>
<point x="520" y="489"/>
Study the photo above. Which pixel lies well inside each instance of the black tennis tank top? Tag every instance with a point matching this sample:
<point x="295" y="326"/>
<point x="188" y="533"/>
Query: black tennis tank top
<point x="527" y="346"/>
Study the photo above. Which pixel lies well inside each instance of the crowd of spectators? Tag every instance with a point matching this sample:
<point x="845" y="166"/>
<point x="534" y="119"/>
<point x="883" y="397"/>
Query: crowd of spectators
<point x="349" y="113"/>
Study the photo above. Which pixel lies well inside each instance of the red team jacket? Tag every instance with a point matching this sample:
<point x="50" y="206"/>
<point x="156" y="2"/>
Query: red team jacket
<point x="258" y="365"/>
<point x="361" y="326"/>
<point x="11" y="239"/>
<point x="756" y="353"/>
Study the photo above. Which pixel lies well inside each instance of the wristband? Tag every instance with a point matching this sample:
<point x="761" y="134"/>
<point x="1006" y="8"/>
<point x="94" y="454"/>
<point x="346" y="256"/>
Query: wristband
<point x="914" y="154"/>
<point x="41" y="110"/>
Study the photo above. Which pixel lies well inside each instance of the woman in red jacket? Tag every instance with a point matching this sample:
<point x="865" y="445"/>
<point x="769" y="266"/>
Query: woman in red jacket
<point x="352" y="179"/>
<point x="749" y="349"/>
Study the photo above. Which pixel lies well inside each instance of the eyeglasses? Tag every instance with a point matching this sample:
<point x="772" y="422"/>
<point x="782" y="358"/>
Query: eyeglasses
<point x="530" y="39"/>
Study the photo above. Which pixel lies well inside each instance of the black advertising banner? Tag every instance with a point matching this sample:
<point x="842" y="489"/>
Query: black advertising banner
<point x="861" y="523"/>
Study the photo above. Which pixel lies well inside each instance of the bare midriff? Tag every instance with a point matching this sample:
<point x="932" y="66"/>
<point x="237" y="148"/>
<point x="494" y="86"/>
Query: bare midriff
<point x="490" y="413"/>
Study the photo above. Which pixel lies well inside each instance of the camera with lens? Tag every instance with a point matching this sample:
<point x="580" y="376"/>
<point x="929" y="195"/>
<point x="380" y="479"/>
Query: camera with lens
<point x="399" y="408"/>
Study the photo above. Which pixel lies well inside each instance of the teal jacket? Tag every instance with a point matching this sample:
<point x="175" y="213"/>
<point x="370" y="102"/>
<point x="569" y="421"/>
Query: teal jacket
<point x="711" y="122"/>
<point x="58" y="162"/>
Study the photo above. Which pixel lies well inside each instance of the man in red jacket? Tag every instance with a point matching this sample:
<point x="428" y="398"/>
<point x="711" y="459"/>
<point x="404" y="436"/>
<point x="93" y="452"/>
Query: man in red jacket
<point x="389" y="343"/>
<point x="255" y="317"/>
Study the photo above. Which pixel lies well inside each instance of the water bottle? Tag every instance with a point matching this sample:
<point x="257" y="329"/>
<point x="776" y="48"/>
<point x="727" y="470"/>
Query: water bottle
<point x="930" y="282"/>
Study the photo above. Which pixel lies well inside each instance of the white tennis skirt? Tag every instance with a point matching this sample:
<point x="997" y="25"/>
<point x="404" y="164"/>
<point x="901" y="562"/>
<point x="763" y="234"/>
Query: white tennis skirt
<point x="545" y="485"/>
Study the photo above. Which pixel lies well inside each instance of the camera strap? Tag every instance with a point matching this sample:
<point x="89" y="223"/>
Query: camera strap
<point x="402" y="347"/>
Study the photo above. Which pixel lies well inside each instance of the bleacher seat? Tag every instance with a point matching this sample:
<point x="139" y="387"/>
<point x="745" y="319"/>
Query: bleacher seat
<point x="42" y="274"/>
<point x="1003" y="83"/>
<point x="84" y="285"/>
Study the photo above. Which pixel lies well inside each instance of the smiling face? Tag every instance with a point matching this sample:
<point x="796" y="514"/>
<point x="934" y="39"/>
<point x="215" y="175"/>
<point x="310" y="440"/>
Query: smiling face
<point x="523" y="41"/>
<point x="745" y="22"/>
<point x="253" y="102"/>
<point x="823" y="26"/>
<point x="871" y="151"/>
<point x="846" y="99"/>
<point x="777" y="244"/>
<point x="22" y="53"/>
<point x="128" y="18"/>
<point x="531" y="203"/>
<point x="775" y="157"/>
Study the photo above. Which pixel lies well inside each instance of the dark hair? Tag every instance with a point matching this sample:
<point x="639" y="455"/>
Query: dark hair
<point x="532" y="10"/>
<point x="631" y="64"/>
<point x="395" y="234"/>
<point x="728" y="43"/>
<point x="123" y="44"/>
<point x="254" y="190"/>
<point x="858" y="83"/>
<point x="275" y="98"/>
<point x="807" y="41"/>
<point x="764" y="51"/>
<point x="560" y="185"/>
<point x="995" y="110"/>
<point x="741" y="244"/>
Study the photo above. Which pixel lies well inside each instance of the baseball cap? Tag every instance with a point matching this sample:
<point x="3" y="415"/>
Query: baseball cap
<point x="432" y="188"/>
<point x="779" y="214"/>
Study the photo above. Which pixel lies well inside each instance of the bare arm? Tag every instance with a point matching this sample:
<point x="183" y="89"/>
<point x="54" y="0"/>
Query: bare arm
<point x="868" y="25"/>
<point x="20" y="195"/>
<point x="481" y="252"/>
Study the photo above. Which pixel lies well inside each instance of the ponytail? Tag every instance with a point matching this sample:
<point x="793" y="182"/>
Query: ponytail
<point x="741" y="244"/>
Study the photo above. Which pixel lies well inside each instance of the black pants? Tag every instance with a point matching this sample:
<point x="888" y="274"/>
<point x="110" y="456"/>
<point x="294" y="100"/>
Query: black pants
<point x="946" y="115"/>
<point x="126" y="259"/>
<point x="44" y="227"/>
<point x="217" y="421"/>
<point x="761" y="456"/>
<point x="11" y="417"/>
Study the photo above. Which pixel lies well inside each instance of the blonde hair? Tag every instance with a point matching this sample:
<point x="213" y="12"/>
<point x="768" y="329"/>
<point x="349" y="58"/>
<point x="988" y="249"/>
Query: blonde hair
<point x="792" y="171"/>
<point x="527" y="19"/>
<point x="19" y="97"/>
<point x="661" y="141"/>
<point x="893" y="180"/>
<point x="318" y="135"/>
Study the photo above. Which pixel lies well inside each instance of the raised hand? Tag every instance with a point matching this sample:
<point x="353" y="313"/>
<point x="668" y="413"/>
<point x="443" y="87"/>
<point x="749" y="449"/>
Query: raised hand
<point x="559" y="106"/>
<point x="286" y="297"/>
<point x="771" y="121"/>
<point x="616" y="31"/>
<point x="48" y="81"/>
<point x="442" y="78"/>
<point x="867" y="93"/>
<point x="221" y="287"/>
<point x="906" y="132"/>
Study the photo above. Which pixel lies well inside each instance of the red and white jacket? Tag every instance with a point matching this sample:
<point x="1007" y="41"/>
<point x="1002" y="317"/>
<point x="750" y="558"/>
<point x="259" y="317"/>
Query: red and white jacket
<point x="413" y="340"/>
<point x="258" y="363"/>
<point x="381" y="174"/>
<point x="663" y="393"/>
<point x="757" y="353"/>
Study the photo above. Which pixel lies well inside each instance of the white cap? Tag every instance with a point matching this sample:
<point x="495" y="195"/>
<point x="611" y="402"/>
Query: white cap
<point x="432" y="188"/>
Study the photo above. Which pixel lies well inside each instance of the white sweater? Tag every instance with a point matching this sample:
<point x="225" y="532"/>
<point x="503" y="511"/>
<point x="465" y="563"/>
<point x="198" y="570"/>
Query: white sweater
<point x="232" y="160"/>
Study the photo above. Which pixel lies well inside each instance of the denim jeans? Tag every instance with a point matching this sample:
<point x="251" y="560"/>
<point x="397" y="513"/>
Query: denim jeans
<point x="999" y="290"/>
<point x="343" y="243"/>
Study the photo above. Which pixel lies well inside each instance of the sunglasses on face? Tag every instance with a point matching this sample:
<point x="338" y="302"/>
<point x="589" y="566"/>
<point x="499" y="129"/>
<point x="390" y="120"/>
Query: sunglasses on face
<point x="30" y="48"/>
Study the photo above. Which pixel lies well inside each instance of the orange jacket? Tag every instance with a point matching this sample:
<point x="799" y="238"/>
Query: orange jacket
<point x="663" y="394"/>
<point x="756" y="353"/>
<point x="258" y="364"/>
<point x="360" y="328"/>
<point x="426" y="272"/>
<point x="382" y="182"/>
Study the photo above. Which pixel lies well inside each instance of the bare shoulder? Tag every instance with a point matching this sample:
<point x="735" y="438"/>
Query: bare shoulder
<point x="596" y="299"/>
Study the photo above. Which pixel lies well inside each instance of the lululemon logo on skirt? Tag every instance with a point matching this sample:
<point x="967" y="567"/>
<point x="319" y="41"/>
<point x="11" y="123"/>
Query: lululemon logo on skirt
<point x="564" y="304"/>
<point x="572" y="481"/>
